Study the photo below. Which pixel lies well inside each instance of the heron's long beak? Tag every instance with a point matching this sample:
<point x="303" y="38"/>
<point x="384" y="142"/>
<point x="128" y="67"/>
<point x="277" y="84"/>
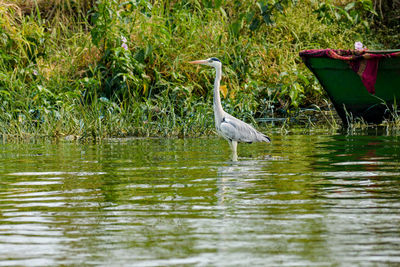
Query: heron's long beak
<point x="198" y="62"/>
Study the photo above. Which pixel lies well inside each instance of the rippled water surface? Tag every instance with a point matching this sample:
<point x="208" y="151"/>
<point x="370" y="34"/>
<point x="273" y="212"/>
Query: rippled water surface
<point x="303" y="200"/>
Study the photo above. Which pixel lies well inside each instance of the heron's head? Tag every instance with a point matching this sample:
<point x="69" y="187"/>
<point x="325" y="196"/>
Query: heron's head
<point x="212" y="62"/>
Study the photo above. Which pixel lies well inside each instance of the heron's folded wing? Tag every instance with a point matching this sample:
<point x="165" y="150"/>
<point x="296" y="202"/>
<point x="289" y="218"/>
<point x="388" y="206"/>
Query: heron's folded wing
<point x="228" y="130"/>
<point x="238" y="130"/>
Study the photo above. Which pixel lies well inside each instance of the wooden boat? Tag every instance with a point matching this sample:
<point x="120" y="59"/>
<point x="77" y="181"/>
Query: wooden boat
<point x="361" y="84"/>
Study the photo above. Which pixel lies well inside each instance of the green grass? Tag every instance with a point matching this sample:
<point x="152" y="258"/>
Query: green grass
<point x="64" y="72"/>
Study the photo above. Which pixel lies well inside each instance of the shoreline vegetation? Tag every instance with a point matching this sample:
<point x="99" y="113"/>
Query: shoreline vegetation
<point x="88" y="69"/>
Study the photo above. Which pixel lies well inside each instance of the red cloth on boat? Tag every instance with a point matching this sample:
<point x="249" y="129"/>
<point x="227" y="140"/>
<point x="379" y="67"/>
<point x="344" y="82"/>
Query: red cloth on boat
<point x="367" y="69"/>
<point x="363" y="63"/>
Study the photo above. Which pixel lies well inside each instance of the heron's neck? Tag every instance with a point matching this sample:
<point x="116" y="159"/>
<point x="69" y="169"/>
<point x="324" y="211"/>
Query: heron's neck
<point x="218" y="111"/>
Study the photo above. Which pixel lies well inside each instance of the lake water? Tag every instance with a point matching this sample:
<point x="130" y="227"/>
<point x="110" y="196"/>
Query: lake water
<point x="304" y="200"/>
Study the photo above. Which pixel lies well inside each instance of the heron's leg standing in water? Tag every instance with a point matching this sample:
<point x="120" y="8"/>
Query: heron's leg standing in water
<point x="233" y="145"/>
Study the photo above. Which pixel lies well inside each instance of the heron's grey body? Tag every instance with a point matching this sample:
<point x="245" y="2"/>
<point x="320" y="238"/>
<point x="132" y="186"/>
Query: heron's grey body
<point x="229" y="127"/>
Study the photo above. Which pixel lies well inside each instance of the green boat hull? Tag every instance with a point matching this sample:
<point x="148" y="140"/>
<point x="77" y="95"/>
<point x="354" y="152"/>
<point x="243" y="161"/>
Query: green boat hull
<point x="349" y="95"/>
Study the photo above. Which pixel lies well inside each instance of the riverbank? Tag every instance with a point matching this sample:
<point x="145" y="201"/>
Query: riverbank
<point x="117" y="69"/>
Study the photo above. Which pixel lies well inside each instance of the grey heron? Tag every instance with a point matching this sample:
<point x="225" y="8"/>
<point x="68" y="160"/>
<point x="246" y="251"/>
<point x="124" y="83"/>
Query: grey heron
<point x="229" y="127"/>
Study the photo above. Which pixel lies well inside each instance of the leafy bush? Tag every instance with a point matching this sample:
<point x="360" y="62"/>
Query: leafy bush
<point x="352" y="14"/>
